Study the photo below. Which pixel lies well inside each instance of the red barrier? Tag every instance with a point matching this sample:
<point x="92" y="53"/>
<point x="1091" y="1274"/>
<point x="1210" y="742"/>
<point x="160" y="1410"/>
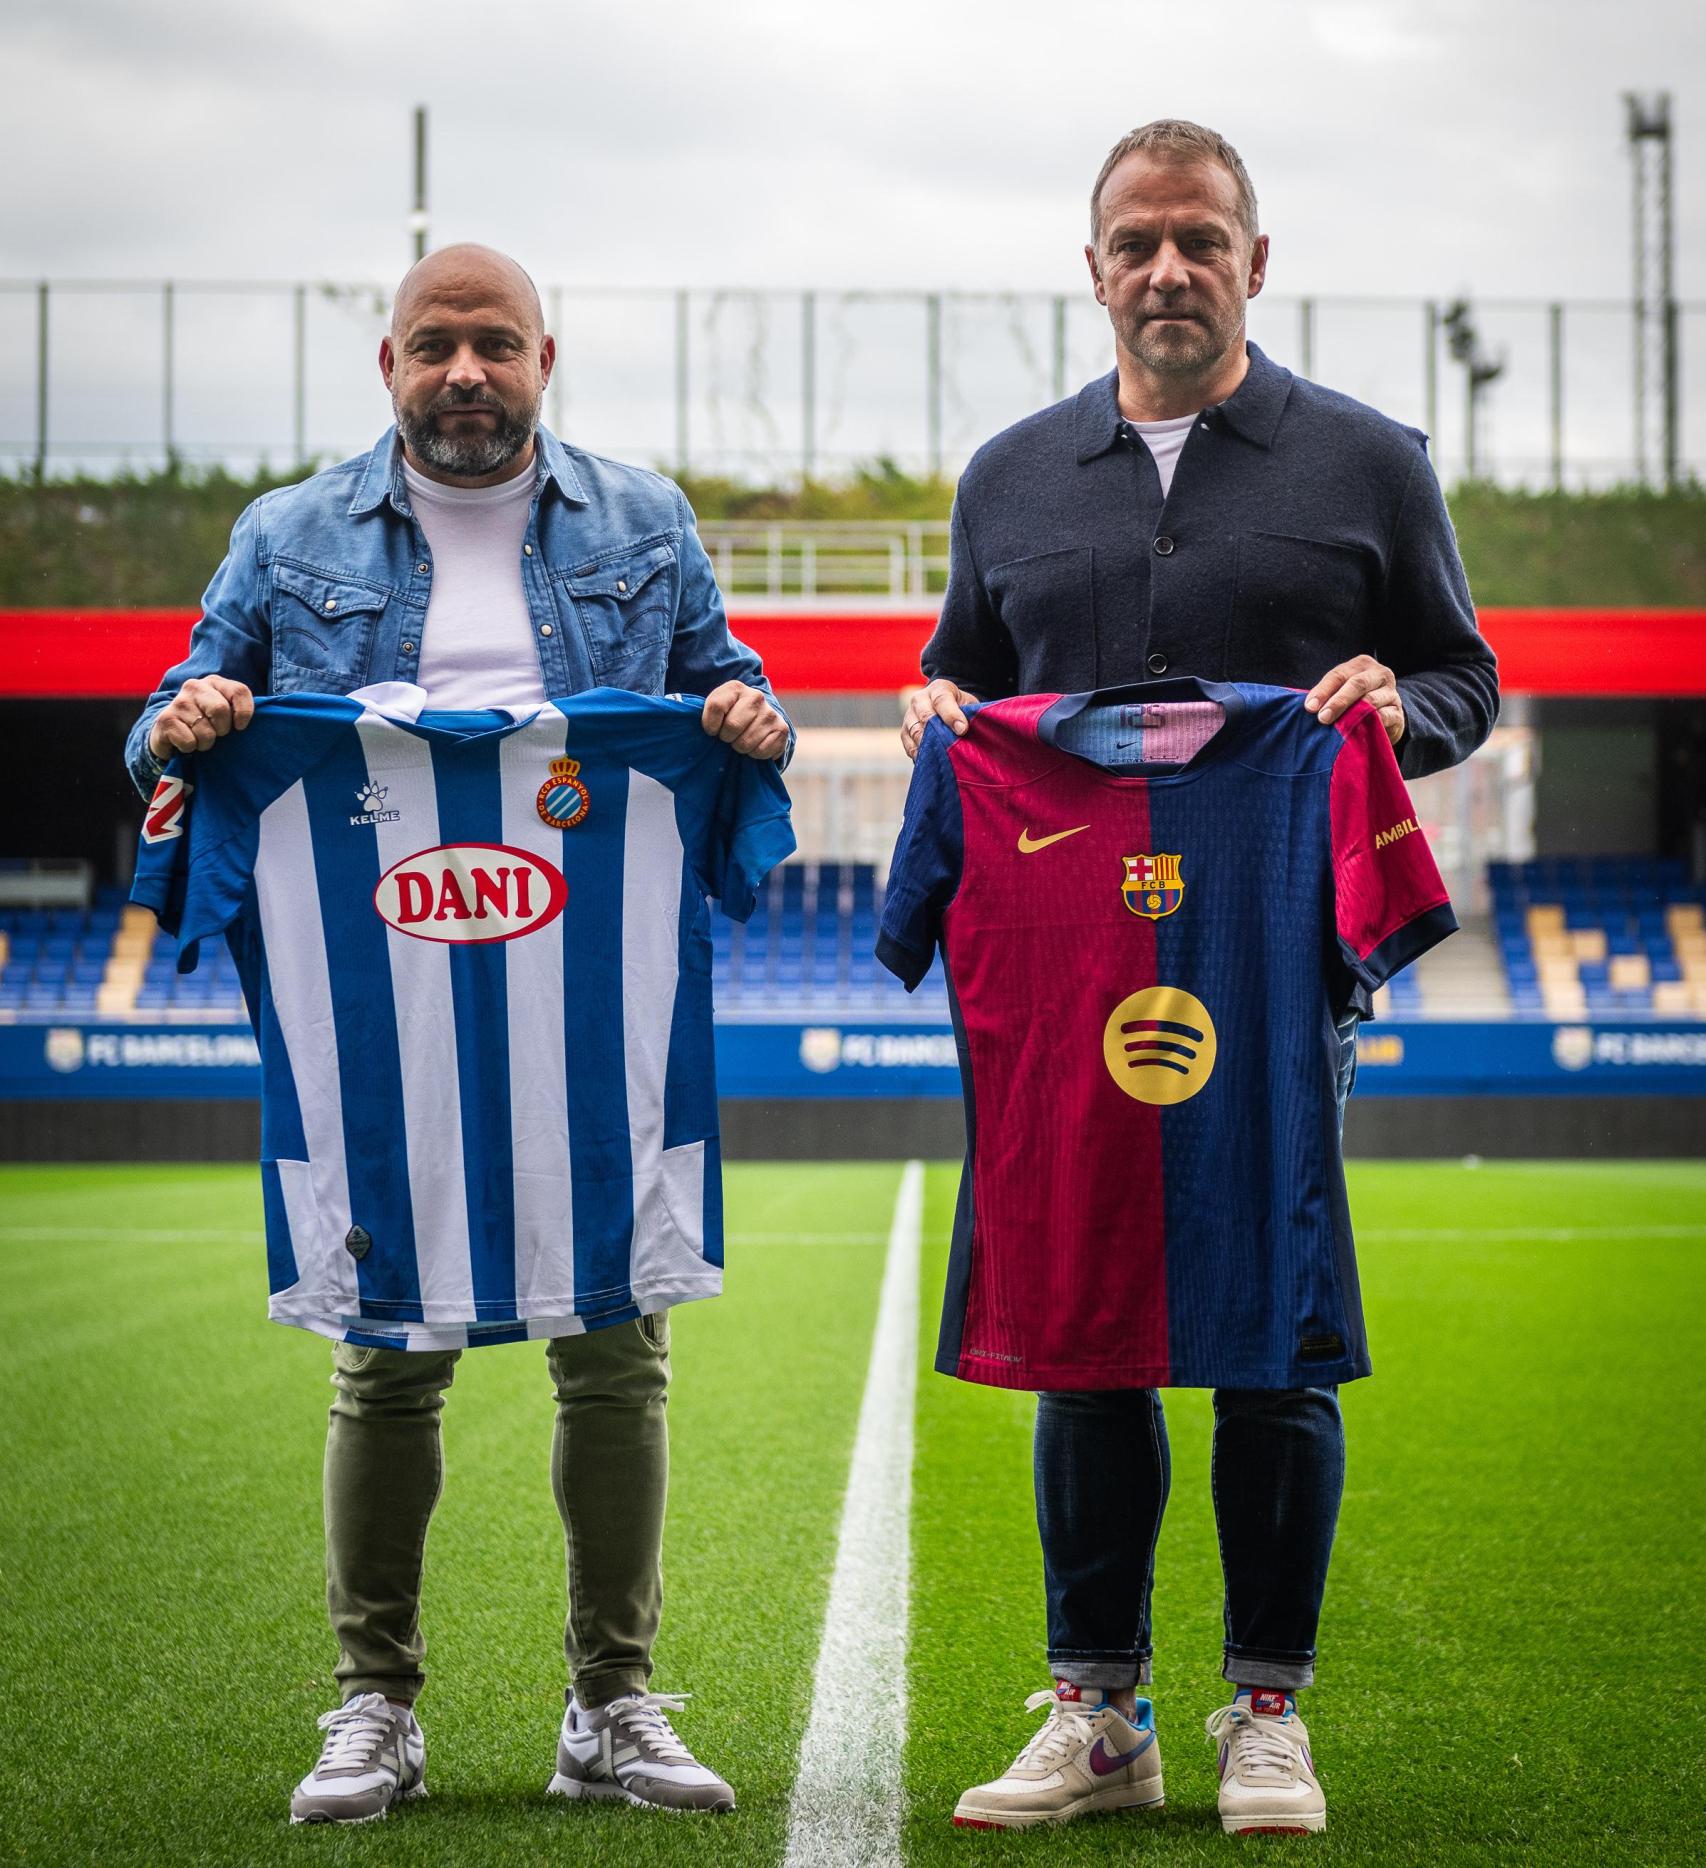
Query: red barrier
<point x="120" y="654"/>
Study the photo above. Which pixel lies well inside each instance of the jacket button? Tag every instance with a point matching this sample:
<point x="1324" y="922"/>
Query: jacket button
<point x="408" y="648"/>
<point x="1157" y="664"/>
<point x="544" y="629"/>
<point x="422" y="569"/>
<point x="331" y="603"/>
<point x="527" y="551"/>
<point x="1163" y="546"/>
<point x="621" y="586"/>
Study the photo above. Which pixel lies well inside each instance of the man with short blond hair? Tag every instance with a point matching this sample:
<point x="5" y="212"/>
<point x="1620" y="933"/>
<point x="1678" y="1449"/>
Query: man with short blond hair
<point x="1197" y="515"/>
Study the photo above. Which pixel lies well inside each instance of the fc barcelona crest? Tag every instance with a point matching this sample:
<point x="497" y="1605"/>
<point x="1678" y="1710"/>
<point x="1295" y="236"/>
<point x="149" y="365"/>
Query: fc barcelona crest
<point x="1152" y="885"/>
<point x="563" y="798"/>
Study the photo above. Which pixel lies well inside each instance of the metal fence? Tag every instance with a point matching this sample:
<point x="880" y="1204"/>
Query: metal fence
<point x="108" y="375"/>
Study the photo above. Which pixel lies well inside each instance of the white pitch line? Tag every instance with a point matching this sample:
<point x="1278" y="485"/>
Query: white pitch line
<point x="1546" y="1235"/>
<point x="846" y="1805"/>
<point x="131" y="1234"/>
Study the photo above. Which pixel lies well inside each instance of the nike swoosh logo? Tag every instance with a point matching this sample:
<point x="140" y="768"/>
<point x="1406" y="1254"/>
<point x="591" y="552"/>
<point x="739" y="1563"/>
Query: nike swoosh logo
<point x="1028" y="843"/>
<point x="1104" y="1762"/>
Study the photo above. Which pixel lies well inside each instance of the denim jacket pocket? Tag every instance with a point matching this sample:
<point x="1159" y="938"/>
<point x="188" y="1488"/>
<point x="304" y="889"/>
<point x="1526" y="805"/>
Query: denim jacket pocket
<point x="322" y="630"/>
<point x="625" y="605"/>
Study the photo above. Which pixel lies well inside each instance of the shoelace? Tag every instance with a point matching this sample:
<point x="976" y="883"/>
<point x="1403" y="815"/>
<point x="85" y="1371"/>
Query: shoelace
<point x="1064" y="1730"/>
<point x="645" y="1712"/>
<point x="354" y="1732"/>
<point x="1257" y="1748"/>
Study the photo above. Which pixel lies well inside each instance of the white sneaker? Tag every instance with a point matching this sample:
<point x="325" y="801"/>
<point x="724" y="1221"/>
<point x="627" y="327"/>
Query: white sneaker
<point x="1085" y="1758"/>
<point x="629" y="1749"/>
<point x="374" y="1756"/>
<point x="1268" y="1785"/>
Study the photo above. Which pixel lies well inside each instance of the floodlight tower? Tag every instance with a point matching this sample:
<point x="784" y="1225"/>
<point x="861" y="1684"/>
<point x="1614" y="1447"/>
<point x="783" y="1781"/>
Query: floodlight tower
<point x="1648" y="124"/>
<point x="1479" y="371"/>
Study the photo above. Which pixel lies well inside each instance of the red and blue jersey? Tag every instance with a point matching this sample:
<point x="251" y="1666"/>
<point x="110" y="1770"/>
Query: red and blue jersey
<point x="1153" y="905"/>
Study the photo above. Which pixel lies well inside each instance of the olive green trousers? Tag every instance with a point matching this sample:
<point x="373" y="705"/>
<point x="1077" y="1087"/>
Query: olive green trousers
<point x="609" y="1472"/>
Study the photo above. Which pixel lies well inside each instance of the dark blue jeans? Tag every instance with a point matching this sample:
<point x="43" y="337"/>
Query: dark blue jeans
<point x="1103" y="1471"/>
<point x="1102" y="1477"/>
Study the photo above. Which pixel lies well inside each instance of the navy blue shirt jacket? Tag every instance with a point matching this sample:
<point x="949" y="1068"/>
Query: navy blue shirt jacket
<point x="1302" y="528"/>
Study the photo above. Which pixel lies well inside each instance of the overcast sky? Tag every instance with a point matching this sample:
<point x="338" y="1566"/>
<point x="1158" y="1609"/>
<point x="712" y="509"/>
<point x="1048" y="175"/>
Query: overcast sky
<point x="1421" y="148"/>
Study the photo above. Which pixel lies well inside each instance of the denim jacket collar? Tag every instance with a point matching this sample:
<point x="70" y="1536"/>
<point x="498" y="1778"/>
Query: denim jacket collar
<point x="1253" y="409"/>
<point x="382" y="476"/>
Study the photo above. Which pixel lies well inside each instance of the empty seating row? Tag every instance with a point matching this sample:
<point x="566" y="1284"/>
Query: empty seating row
<point x="1600" y="937"/>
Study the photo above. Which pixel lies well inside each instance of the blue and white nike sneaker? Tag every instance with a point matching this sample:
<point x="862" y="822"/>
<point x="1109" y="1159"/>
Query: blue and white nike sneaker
<point x="1088" y="1756"/>
<point x="1268" y="1785"/>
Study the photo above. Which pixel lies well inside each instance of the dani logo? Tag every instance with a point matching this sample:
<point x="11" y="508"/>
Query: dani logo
<point x="470" y="892"/>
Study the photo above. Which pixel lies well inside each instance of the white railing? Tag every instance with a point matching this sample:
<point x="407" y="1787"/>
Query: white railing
<point x="831" y="558"/>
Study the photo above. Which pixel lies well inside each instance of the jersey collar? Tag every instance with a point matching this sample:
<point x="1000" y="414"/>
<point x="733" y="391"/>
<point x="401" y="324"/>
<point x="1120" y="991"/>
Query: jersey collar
<point x="1177" y="687"/>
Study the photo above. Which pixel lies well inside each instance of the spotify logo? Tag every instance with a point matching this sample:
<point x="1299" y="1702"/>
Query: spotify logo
<point x="1159" y="1045"/>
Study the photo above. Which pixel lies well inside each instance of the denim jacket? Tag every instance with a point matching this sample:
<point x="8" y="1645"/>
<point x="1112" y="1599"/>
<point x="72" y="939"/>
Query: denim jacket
<point x="326" y="583"/>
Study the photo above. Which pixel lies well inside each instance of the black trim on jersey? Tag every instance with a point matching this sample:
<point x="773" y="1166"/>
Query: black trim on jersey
<point x="1406" y="944"/>
<point x="905" y="963"/>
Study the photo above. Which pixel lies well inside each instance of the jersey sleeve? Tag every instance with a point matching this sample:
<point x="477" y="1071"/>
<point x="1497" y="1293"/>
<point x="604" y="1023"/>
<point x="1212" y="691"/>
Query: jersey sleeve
<point x="924" y="874"/>
<point x="201" y="828"/>
<point x="749" y="833"/>
<point x="1390" y="904"/>
<point x="194" y="857"/>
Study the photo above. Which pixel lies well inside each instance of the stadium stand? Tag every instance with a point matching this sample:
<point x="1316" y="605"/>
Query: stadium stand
<point x="1606" y="937"/>
<point x="1600" y="937"/>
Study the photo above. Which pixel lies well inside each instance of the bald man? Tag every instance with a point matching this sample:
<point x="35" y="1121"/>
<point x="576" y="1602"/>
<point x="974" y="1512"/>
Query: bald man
<point x="474" y="556"/>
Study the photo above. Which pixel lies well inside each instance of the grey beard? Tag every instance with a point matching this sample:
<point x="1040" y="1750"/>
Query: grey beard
<point x="470" y="457"/>
<point x="1181" y="360"/>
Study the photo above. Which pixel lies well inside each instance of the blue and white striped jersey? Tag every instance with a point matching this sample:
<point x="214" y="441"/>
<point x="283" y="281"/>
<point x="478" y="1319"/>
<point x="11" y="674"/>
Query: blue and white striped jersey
<point x="476" y="955"/>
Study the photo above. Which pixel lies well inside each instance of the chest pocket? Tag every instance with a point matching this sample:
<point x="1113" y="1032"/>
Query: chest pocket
<point x="1301" y="605"/>
<point x="626" y="609"/>
<point x="1047" y="606"/>
<point x="323" y="630"/>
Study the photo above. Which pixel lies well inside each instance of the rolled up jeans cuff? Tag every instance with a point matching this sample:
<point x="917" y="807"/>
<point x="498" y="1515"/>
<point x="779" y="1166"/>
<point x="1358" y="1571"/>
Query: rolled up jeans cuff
<point x="1244" y="1667"/>
<point x="1107" y="1671"/>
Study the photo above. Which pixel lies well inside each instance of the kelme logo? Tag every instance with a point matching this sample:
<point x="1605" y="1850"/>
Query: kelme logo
<point x="470" y="892"/>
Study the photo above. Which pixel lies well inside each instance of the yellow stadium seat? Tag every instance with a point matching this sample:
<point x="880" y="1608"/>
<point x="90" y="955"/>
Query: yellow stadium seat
<point x="1589" y="944"/>
<point x="1544" y="919"/>
<point x="1629" y="972"/>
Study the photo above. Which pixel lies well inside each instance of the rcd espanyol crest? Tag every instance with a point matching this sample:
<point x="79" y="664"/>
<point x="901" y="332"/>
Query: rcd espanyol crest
<point x="1152" y="885"/>
<point x="563" y="798"/>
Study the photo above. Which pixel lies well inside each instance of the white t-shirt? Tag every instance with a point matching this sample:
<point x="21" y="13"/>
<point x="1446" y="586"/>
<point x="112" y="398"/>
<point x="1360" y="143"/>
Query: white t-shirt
<point x="477" y="646"/>
<point x="1165" y="440"/>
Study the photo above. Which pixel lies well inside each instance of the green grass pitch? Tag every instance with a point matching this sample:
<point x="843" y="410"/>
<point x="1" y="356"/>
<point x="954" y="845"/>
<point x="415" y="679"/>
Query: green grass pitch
<point x="1511" y="1655"/>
